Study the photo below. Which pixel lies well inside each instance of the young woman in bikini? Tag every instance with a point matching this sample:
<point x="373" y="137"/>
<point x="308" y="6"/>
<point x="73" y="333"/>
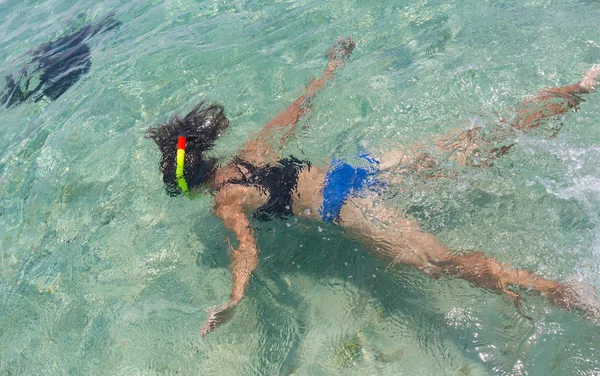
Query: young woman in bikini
<point x="259" y="182"/>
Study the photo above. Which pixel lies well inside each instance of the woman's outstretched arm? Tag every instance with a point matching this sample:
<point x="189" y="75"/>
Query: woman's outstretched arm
<point x="285" y="122"/>
<point x="244" y="258"/>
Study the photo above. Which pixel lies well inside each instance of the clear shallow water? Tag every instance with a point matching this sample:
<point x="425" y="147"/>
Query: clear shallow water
<point x="102" y="273"/>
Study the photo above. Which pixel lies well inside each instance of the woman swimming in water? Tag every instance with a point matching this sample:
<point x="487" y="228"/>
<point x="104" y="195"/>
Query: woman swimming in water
<point x="260" y="182"/>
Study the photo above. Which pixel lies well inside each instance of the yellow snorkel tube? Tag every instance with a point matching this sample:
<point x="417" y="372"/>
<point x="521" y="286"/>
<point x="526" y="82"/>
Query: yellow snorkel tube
<point x="180" y="164"/>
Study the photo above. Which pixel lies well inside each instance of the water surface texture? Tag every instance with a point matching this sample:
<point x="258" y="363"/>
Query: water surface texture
<point x="101" y="273"/>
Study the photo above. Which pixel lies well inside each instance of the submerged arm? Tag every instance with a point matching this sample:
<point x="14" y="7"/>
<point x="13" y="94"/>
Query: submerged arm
<point x="244" y="259"/>
<point x="285" y="122"/>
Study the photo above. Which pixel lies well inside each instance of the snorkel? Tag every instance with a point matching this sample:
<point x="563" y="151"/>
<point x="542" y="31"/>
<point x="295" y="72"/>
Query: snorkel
<point x="183" y="144"/>
<point x="180" y="164"/>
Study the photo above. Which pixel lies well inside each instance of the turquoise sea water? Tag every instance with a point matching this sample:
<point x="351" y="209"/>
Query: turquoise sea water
<point x="102" y="274"/>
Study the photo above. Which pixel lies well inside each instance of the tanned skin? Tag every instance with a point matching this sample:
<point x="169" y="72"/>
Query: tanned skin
<point x="233" y="201"/>
<point x="388" y="233"/>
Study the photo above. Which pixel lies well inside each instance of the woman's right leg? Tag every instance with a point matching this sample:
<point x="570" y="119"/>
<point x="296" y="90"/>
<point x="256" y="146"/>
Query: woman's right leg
<point x="396" y="239"/>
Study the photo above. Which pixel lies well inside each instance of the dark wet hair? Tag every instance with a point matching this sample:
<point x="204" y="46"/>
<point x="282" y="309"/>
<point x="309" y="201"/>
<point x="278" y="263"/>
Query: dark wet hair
<point x="200" y="127"/>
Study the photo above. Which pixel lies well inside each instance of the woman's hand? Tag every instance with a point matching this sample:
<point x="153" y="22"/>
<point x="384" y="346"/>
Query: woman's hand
<point x="218" y="316"/>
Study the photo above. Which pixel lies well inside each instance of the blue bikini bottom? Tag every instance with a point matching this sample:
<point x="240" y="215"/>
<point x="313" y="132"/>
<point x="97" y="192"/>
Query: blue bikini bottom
<point x="343" y="181"/>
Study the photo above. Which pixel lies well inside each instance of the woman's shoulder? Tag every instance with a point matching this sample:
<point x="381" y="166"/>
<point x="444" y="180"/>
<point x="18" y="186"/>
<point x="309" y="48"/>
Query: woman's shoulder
<point x="233" y="193"/>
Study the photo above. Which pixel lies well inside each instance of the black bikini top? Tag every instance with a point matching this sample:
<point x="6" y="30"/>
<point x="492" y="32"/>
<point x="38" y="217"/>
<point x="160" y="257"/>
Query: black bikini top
<point x="278" y="179"/>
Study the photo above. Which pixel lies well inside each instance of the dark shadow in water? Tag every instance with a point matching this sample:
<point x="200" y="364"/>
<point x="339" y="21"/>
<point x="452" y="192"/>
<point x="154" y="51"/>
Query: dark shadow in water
<point x="54" y="67"/>
<point x="324" y="253"/>
<point x="328" y="255"/>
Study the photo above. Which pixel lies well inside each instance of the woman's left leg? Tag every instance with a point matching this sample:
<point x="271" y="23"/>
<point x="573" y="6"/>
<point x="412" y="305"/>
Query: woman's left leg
<point x="472" y="147"/>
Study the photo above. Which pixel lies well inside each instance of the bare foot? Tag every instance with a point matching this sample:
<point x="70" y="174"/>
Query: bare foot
<point x="590" y="79"/>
